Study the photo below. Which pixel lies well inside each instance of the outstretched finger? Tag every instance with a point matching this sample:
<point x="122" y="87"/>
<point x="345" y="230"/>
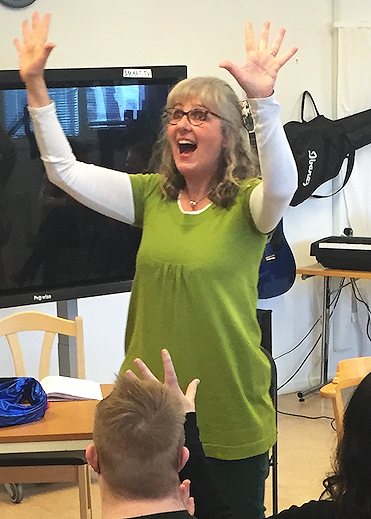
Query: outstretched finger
<point x="43" y="25"/>
<point x="285" y="57"/>
<point x="276" y="45"/>
<point x="190" y="394"/>
<point x="25" y="29"/>
<point x="232" y="68"/>
<point x="35" y="19"/>
<point x="264" y="35"/>
<point x="188" y="501"/>
<point x="249" y="38"/>
<point x="171" y="380"/>
<point x="144" y="369"/>
<point x="170" y="377"/>
<point x="130" y="373"/>
<point x="17" y="44"/>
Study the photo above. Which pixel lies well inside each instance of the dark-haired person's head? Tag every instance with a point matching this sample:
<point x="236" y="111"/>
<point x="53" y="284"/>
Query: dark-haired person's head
<point x="349" y="485"/>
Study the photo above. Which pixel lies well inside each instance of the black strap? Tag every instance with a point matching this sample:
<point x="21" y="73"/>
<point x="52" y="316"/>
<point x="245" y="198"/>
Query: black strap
<point x="350" y="158"/>
<point x="305" y="94"/>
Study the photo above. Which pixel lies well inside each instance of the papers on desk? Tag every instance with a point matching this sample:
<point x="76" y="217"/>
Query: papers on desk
<point x="67" y="388"/>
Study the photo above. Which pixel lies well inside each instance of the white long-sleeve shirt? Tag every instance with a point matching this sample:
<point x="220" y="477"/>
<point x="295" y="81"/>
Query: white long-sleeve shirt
<point x="109" y="192"/>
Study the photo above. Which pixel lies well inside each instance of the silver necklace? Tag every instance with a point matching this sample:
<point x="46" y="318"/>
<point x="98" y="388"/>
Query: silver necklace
<point x="193" y="203"/>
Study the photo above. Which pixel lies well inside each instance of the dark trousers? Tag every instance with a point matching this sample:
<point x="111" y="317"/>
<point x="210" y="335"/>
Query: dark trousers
<point x="242" y="483"/>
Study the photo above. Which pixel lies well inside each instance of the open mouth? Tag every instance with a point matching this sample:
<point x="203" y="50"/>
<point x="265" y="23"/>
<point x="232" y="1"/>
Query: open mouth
<point x="186" y="146"/>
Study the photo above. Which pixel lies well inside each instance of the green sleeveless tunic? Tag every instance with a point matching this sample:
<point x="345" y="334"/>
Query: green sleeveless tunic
<point x="195" y="293"/>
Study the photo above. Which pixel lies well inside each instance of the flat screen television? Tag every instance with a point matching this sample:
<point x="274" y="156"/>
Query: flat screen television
<point x="51" y="247"/>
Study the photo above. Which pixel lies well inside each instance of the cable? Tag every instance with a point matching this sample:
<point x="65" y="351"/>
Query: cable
<point x="332" y="304"/>
<point x="301" y="365"/>
<point x="301" y="342"/>
<point x="338" y="291"/>
<point x="357" y="294"/>
<point x="305" y="416"/>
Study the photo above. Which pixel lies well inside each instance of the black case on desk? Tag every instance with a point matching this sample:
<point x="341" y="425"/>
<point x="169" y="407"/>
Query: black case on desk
<point x="343" y="252"/>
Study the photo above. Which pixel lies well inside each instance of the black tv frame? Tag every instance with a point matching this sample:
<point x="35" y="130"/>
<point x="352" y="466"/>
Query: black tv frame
<point x="82" y="77"/>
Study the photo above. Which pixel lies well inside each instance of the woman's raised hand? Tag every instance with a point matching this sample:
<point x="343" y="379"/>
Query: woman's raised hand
<point x="170" y="380"/>
<point x="34" y="49"/>
<point x="258" y="75"/>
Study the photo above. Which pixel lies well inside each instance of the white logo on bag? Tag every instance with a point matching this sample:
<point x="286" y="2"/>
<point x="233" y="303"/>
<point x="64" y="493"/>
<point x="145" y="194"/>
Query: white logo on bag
<point x="312" y="156"/>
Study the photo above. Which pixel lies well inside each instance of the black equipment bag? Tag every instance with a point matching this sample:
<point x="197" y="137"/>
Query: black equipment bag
<point x="321" y="145"/>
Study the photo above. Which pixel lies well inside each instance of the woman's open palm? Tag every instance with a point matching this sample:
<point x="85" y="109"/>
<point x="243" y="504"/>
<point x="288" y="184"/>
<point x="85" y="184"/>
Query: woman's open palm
<point x="34" y="49"/>
<point x="258" y="75"/>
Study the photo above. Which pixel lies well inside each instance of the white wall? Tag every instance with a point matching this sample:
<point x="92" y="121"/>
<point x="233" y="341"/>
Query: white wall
<point x="199" y="34"/>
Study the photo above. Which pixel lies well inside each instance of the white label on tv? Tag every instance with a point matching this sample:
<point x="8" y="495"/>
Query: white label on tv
<point x="137" y="72"/>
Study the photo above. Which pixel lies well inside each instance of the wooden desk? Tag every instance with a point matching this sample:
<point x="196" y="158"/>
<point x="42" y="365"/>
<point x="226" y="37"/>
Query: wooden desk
<point x="319" y="270"/>
<point x="66" y="426"/>
<point x="327" y="274"/>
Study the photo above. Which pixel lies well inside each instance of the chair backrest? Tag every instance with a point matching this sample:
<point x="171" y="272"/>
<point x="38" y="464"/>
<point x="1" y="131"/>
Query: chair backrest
<point x="11" y="325"/>
<point x="349" y="373"/>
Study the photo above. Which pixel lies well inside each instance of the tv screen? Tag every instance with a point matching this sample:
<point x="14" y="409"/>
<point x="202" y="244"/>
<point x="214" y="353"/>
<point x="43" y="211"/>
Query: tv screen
<point x="51" y="247"/>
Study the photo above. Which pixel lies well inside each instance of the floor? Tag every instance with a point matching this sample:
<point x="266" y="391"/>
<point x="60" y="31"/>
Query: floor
<point x="305" y="448"/>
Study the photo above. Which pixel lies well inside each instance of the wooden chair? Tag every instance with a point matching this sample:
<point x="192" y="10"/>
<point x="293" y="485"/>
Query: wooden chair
<point x="349" y="373"/>
<point x="52" y="466"/>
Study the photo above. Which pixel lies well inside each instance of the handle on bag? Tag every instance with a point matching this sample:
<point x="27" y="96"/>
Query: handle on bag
<point x="350" y="163"/>
<point x="305" y="94"/>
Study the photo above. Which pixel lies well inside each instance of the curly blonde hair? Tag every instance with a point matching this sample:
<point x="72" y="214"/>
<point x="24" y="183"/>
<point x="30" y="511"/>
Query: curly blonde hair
<point x="238" y="161"/>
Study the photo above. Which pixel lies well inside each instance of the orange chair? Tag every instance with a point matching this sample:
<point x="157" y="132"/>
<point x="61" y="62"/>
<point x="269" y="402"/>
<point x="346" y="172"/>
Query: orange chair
<point x="349" y="373"/>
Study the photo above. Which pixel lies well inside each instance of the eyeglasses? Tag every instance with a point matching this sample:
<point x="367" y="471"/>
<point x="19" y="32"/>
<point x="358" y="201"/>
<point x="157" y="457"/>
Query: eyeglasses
<point x="196" y="116"/>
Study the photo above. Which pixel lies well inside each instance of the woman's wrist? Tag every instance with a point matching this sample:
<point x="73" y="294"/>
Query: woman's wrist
<point x="37" y="92"/>
<point x="257" y="97"/>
